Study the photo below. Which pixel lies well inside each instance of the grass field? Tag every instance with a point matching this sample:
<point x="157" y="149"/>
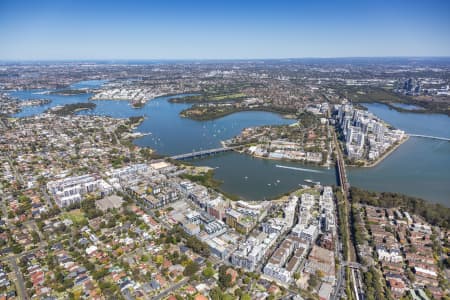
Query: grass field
<point x="311" y="191"/>
<point x="76" y="216"/>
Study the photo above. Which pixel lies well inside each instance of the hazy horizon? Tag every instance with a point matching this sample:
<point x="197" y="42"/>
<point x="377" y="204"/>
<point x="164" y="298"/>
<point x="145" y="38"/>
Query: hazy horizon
<point x="112" y="60"/>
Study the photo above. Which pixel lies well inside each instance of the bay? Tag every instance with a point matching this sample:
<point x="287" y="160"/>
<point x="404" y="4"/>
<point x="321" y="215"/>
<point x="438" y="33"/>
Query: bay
<point x="420" y="167"/>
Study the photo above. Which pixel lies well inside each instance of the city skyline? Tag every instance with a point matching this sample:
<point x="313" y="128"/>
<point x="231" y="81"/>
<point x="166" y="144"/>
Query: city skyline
<point x="80" y="30"/>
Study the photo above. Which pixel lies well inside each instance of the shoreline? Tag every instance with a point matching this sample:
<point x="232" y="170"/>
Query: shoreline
<point x="423" y="110"/>
<point x="382" y="157"/>
<point x="370" y="165"/>
<point x="81" y="109"/>
<point x="276" y="159"/>
<point x="286" y="160"/>
<point x="212" y="117"/>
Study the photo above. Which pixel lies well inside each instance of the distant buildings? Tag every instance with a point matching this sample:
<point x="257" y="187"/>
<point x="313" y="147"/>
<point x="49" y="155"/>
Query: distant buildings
<point x="410" y="86"/>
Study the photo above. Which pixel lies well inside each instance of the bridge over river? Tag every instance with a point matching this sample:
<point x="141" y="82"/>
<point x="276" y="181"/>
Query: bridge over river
<point x="203" y="153"/>
<point x="430" y="137"/>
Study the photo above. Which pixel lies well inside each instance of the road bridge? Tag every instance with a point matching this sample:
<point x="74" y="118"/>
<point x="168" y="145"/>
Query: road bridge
<point x="202" y="153"/>
<point x="430" y="137"/>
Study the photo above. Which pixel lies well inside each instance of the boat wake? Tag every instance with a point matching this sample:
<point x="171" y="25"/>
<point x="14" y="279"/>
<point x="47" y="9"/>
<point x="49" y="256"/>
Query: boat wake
<point x="299" y="169"/>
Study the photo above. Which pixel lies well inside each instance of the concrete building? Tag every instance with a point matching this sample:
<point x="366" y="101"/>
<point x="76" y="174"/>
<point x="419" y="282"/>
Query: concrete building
<point x="70" y="190"/>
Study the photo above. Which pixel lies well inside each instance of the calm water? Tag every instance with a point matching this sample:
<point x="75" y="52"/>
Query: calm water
<point x="170" y="134"/>
<point x="420" y="167"/>
<point x="36" y="94"/>
<point x="407" y="106"/>
<point x="259" y="179"/>
<point x="414" y="123"/>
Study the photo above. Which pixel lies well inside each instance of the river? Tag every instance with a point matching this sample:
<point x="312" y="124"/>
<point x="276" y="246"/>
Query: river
<point x="420" y="167"/>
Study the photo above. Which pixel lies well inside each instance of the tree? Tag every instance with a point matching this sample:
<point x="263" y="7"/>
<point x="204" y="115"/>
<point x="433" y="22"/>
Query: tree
<point x="16" y="248"/>
<point x="238" y="292"/>
<point x="313" y="281"/>
<point x="35" y="237"/>
<point x="245" y="297"/>
<point x="191" y="269"/>
<point x="224" y="277"/>
<point x="216" y="293"/>
<point x="29" y="284"/>
<point x="208" y="272"/>
<point x="159" y="259"/>
<point x="319" y="274"/>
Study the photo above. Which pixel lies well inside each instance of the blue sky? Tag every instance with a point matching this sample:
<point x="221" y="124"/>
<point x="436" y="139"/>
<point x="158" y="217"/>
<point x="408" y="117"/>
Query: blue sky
<point x="39" y="30"/>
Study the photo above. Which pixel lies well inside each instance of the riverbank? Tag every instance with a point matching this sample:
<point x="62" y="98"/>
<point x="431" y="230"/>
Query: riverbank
<point x="136" y="121"/>
<point x="366" y="165"/>
<point x="206" y="178"/>
<point x="136" y="100"/>
<point x="411" y="172"/>
<point x="426" y="107"/>
<point x="200" y="113"/>
<point x="197" y="98"/>
<point x="70" y="109"/>
<point x="284" y="159"/>
<point x="430" y="104"/>
<point x="70" y="92"/>
<point x="387" y="153"/>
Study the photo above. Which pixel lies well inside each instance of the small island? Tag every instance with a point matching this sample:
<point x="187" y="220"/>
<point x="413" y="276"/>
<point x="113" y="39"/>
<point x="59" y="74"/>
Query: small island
<point x="212" y="111"/>
<point x="220" y="101"/>
<point x="70" y="109"/>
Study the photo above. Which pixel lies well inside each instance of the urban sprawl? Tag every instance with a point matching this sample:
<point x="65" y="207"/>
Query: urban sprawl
<point x="87" y="214"/>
